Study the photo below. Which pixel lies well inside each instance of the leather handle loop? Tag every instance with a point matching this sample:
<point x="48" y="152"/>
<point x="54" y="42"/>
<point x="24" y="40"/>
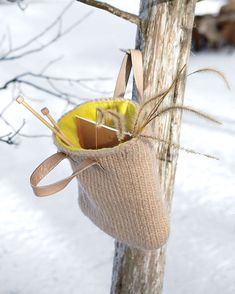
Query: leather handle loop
<point x="137" y="64"/>
<point x="48" y="165"/>
<point x="134" y="58"/>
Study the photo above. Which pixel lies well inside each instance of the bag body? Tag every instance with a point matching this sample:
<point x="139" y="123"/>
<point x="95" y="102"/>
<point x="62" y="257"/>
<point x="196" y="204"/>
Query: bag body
<point x="121" y="194"/>
<point x="118" y="187"/>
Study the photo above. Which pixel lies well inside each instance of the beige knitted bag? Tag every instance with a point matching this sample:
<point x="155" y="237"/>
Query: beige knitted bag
<point x="118" y="186"/>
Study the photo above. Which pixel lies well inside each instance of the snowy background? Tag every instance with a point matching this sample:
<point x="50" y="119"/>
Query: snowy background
<point x="47" y="245"/>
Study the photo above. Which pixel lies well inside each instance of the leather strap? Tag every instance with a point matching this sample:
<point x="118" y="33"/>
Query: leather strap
<point x="48" y="165"/>
<point x="134" y="58"/>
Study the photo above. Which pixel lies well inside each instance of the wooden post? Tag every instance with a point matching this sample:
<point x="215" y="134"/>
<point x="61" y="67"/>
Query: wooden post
<point x="165" y="43"/>
<point x="164" y="36"/>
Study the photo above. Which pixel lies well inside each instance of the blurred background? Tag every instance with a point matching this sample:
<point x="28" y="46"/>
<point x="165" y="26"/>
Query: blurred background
<point x="60" y="53"/>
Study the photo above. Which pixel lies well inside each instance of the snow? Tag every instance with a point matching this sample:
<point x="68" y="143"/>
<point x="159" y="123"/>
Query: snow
<point x="209" y="6"/>
<point x="47" y="245"/>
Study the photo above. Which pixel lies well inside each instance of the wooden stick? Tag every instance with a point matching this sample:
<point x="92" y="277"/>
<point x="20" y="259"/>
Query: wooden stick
<point x="45" y="111"/>
<point x="21" y="100"/>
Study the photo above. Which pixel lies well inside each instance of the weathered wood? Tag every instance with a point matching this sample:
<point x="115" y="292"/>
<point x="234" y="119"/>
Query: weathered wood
<point x="165" y="44"/>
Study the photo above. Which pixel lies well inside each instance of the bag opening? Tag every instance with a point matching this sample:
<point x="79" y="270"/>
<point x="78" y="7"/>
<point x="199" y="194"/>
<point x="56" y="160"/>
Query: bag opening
<point x="127" y="108"/>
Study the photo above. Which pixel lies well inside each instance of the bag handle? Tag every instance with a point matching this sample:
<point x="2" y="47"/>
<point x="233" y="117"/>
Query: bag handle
<point x="48" y="165"/>
<point x="132" y="58"/>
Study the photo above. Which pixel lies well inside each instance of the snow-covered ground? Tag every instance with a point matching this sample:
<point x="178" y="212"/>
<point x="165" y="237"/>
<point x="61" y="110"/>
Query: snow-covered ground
<point x="47" y="245"/>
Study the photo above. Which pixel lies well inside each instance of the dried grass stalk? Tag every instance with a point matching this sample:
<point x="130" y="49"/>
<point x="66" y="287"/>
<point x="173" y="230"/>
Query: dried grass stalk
<point x="179" y="147"/>
<point x="119" y="122"/>
<point x="160" y="97"/>
<point x="100" y="116"/>
<point x="179" y="107"/>
<point x="118" y="119"/>
<point x="217" y="72"/>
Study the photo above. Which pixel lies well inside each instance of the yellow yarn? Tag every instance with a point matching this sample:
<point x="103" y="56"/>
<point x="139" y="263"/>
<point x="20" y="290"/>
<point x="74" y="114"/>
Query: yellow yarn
<point x="88" y="110"/>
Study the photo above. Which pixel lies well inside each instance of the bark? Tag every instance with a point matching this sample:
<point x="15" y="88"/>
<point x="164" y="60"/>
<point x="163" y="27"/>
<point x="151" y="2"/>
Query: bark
<point x="165" y="43"/>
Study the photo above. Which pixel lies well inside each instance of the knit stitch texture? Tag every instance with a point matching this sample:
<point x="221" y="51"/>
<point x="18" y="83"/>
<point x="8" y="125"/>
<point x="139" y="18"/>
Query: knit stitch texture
<point x="121" y="196"/>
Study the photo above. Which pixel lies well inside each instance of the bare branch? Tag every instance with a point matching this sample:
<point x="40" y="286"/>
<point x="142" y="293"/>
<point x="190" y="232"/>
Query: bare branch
<point x="9" y="138"/>
<point x="21" y="4"/>
<point x="54" y="90"/>
<point x="43" y="32"/>
<point x="92" y="89"/>
<point x="50" y="63"/>
<point x="34" y="136"/>
<point x="2" y="41"/>
<point x="47" y="77"/>
<point x="9" y="39"/>
<point x="43" y="82"/>
<point x="6" y="139"/>
<point x="57" y="94"/>
<point x="8" y="56"/>
<point x="111" y="9"/>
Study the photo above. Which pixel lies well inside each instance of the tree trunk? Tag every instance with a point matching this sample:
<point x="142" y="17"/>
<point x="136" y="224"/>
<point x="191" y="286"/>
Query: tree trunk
<point x="165" y="44"/>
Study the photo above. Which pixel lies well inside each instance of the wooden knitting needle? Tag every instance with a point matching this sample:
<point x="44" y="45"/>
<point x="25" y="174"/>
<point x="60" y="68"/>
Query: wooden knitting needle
<point x="21" y="100"/>
<point x="45" y="111"/>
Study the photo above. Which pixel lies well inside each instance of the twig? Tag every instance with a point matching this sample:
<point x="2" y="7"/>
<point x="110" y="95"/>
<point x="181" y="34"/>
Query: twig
<point x="50" y="63"/>
<point x="53" y="90"/>
<point x="8" y="138"/>
<point x="66" y="95"/>
<point x="9" y="38"/>
<point x="45" y="90"/>
<point x="31" y="79"/>
<point x="2" y="41"/>
<point x="43" y="32"/>
<point x="86" y="87"/>
<point x="111" y="9"/>
<point x="58" y="36"/>
<point x="34" y="136"/>
<point x="21" y="4"/>
<point x="61" y="79"/>
<point x="6" y="107"/>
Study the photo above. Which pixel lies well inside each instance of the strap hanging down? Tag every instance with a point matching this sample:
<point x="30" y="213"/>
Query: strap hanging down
<point x="48" y="165"/>
<point x="133" y="58"/>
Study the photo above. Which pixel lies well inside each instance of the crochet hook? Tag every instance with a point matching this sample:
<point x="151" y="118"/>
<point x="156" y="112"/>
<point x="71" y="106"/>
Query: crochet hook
<point x="21" y="100"/>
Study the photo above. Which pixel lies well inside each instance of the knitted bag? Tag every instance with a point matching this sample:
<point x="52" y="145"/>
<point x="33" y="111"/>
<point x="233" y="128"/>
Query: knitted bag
<point x="118" y="186"/>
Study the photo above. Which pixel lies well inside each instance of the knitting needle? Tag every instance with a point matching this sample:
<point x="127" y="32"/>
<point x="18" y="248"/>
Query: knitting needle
<point x="45" y="111"/>
<point x="21" y="100"/>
